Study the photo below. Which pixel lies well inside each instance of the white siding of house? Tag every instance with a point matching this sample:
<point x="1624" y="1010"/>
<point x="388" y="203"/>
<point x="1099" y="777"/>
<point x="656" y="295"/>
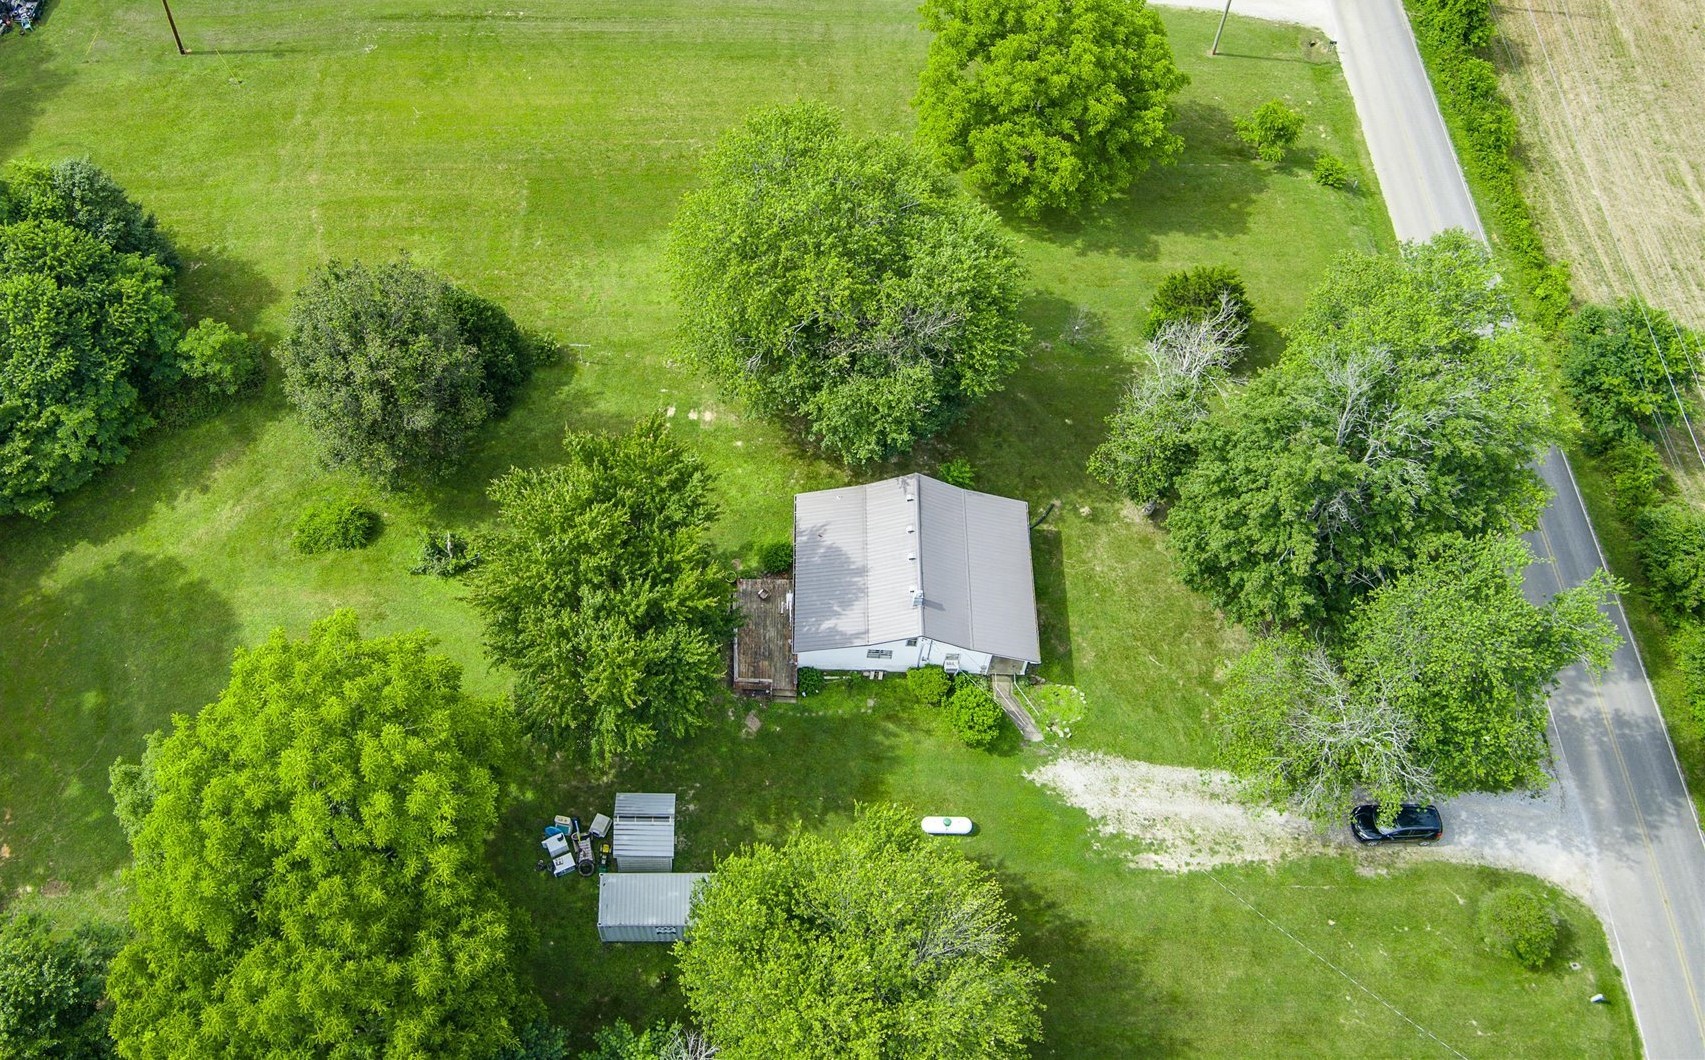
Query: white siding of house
<point x="905" y="657"/>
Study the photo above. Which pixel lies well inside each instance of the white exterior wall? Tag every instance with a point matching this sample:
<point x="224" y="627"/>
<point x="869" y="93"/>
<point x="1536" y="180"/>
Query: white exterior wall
<point x="925" y="652"/>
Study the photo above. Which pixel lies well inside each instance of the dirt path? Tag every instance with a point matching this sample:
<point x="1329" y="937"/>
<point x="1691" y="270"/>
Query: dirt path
<point x="1186" y="820"/>
<point x="1607" y="98"/>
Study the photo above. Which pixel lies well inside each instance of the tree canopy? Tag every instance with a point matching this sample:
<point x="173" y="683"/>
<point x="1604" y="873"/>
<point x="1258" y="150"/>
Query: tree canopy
<point x="878" y="942"/>
<point x="78" y="193"/>
<point x="1627" y="365"/>
<point x="1437" y="688"/>
<point x="394" y="368"/>
<point x="1403" y="412"/>
<point x="599" y="590"/>
<point x="844" y="284"/>
<point x="53" y="990"/>
<point x="84" y="330"/>
<point x="310" y="874"/>
<point x="1050" y="104"/>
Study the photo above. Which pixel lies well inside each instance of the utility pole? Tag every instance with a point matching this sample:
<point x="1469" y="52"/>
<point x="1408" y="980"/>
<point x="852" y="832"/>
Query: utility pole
<point x="185" y="51"/>
<point x="1215" y="50"/>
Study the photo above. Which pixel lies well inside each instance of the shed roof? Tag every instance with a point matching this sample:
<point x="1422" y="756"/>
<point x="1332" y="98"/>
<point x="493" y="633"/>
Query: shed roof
<point x="645" y="804"/>
<point x="642" y="839"/>
<point x="646" y="898"/>
<point x="861" y="553"/>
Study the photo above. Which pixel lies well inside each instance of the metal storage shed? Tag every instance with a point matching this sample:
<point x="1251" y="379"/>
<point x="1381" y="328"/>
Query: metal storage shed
<point x="644" y="835"/>
<point x="646" y="906"/>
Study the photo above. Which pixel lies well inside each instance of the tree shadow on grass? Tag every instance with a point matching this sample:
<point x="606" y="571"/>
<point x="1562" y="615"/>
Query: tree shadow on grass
<point x="1053" y="603"/>
<point x="1099" y="1001"/>
<point x="27" y="88"/>
<point x="1207" y="192"/>
<point x="215" y="283"/>
<point x="91" y="668"/>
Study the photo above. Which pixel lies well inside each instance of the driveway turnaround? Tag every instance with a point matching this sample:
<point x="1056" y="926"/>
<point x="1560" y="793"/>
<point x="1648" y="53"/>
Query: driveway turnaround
<point x="1615" y="756"/>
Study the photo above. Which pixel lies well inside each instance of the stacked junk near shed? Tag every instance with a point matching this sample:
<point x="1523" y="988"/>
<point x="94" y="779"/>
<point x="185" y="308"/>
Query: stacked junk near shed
<point x="640" y="897"/>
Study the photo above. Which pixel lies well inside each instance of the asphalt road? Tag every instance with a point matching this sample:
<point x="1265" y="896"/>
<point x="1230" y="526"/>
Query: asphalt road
<point x="1616" y="763"/>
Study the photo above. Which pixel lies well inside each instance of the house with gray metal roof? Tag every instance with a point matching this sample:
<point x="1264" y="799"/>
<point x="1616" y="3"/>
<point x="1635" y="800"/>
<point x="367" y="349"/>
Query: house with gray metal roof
<point x="910" y="572"/>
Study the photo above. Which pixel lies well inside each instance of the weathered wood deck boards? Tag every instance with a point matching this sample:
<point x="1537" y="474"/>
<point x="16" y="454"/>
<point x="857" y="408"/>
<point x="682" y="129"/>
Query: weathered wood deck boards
<point x="763" y="647"/>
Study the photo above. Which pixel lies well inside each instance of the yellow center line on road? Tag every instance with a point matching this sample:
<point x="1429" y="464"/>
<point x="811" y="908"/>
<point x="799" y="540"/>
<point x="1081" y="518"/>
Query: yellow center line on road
<point x="1639" y="814"/>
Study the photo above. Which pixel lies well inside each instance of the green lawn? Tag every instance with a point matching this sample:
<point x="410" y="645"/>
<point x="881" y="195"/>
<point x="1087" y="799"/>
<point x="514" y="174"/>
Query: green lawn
<point x="536" y="157"/>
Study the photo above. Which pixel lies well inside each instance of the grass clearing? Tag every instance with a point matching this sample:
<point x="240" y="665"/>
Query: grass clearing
<point x="536" y="158"/>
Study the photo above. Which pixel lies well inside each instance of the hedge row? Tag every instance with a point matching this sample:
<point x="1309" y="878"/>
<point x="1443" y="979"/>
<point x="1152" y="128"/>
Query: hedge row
<point x="1454" y="36"/>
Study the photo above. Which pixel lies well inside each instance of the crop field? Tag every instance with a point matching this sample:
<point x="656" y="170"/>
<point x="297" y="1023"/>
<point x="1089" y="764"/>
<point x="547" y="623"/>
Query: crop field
<point x="1607" y="97"/>
<point x="536" y="156"/>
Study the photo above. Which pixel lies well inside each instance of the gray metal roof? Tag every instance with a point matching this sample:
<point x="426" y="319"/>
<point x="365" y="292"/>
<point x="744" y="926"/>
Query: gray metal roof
<point x="860" y="552"/>
<point x="645" y="804"/>
<point x="646" y="898"/>
<point x="642" y="839"/>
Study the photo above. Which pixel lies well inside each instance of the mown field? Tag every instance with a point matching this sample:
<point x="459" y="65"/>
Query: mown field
<point x="536" y="156"/>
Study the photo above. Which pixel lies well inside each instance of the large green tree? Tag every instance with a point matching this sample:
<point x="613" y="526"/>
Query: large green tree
<point x="599" y="590"/>
<point x="1628" y="365"/>
<point x="310" y="875"/>
<point x="845" y="284"/>
<point x="84" y="331"/>
<point x="1455" y="645"/>
<point x="1404" y="411"/>
<point x="395" y="368"/>
<point x="1437" y="687"/>
<point x="53" y="990"/>
<point x="879" y="942"/>
<point x="1050" y="104"/>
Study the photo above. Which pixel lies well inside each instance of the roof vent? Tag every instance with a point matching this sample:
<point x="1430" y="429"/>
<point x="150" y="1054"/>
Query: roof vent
<point x="911" y="529"/>
<point x="917" y="597"/>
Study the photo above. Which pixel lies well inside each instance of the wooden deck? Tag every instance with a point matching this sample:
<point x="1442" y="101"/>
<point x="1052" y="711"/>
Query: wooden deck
<point x="763" y="646"/>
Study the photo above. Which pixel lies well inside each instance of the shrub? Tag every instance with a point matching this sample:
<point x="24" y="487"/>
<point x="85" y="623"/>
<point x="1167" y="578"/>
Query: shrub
<point x="1672" y="553"/>
<point x="1638" y="478"/>
<point x="809" y="681"/>
<point x="217" y="360"/>
<point x="1196" y="294"/>
<point x="1688" y="648"/>
<point x="1624" y="365"/>
<point x="931" y="684"/>
<point x="775" y="557"/>
<point x="1519" y="923"/>
<point x="957" y="472"/>
<point x="334" y="524"/>
<point x="889" y="309"/>
<point x="445" y="553"/>
<point x="395" y="369"/>
<point x="1271" y="130"/>
<point x="974" y="714"/>
<point x="1330" y="171"/>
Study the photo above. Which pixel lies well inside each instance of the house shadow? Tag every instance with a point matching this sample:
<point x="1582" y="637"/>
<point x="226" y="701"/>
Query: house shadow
<point x="91" y="668"/>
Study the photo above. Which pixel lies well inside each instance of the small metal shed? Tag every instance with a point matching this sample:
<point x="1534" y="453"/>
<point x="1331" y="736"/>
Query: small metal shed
<point x="645" y="906"/>
<point x="643" y="839"/>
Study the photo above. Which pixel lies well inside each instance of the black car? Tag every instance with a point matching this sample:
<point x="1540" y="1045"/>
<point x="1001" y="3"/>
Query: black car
<point x="1414" y="824"/>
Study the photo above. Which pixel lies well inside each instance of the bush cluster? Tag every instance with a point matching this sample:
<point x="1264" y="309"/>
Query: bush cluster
<point x="974" y="714"/>
<point x="334" y="524"/>
<point x="1453" y="35"/>
<point x="1330" y="171"/>
<point x="931" y="684"/>
<point x="775" y="557"/>
<point x="957" y="472"/>
<point x="445" y="553"/>
<point x="1521" y="924"/>
<point x="809" y="681"/>
<point x="1195" y="294"/>
<point x="1627" y="365"/>
<point x="1271" y="130"/>
<point x="1672" y="553"/>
